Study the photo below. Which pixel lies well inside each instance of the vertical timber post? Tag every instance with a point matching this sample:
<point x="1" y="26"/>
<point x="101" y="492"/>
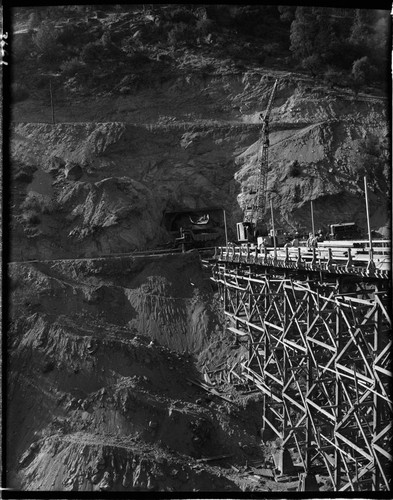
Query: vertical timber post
<point x="250" y="294"/>
<point x="377" y="401"/>
<point x="248" y="308"/>
<point x="308" y="384"/>
<point x="312" y="219"/>
<point x="223" y="287"/>
<point x="338" y="395"/>
<point x="310" y="482"/>
<point x="225" y="228"/>
<point x="285" y="371"/>
<point x="265" y="409"/>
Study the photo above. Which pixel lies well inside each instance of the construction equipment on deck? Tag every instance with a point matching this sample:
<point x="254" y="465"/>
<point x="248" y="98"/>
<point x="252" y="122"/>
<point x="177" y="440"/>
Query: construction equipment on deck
<point x="252" y="227"/>
<point x="344" y="231"/>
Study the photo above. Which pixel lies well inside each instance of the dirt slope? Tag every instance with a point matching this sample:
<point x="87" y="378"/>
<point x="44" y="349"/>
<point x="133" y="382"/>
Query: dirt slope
<point x="101" y="358"/>
<point x="104" y="187"/>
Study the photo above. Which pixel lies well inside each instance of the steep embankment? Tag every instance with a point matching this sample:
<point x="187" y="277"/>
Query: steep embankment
<point x="104" y="187"/>
<point x="101" y="353"/>
<point x="125" y="182"/>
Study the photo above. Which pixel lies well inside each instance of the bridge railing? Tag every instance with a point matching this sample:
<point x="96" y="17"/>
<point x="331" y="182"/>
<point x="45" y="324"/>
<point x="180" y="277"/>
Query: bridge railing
<point x="339" y="259"/>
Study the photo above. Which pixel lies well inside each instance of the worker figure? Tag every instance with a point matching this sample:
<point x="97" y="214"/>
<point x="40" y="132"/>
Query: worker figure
<point x="312" y="240"/>
<point x="263" y="245"/>
<point x="320" y="236"/>
<point x="293" y="243"/>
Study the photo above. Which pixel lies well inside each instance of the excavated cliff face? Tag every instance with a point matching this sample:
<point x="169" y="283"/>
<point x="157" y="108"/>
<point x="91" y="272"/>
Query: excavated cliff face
<point x="105" y="186"/>
<point x="119" y="202"/>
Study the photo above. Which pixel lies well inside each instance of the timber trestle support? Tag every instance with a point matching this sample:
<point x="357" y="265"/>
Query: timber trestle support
<point x="317" y="346"/>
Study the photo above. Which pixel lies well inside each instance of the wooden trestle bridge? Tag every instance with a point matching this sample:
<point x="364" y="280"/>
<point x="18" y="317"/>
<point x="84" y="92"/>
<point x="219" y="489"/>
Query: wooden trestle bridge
<point x="316" y="334"/>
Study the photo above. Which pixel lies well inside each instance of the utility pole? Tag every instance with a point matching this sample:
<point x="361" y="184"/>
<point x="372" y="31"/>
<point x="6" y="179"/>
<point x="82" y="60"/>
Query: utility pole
<point x="274" y="230"/>
<point x="225" y="227"/>
<point x="51" y="102"/>
<point x="370" y="240"/>
<point x="312" y="220"/>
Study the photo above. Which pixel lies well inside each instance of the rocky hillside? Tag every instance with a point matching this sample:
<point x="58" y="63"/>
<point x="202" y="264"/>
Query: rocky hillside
<point x="99" y="188"/>
<point x="123" y="151"/>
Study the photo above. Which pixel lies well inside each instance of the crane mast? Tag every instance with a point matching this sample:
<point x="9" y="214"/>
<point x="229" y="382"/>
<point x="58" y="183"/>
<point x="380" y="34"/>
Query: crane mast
<point x="255" y="214"/>
<point x="247" y="231"/>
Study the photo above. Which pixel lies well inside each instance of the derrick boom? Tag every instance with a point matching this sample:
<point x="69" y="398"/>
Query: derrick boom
<point x="256" y="212"/>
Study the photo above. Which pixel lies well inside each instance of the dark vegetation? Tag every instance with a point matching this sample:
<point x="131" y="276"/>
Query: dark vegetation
<point x="371" y="157"/>
<point x="22" y="172"/>
<point x="19" y="92"/>
<point x="294" y="169"/>
<point x="98" y="46"/>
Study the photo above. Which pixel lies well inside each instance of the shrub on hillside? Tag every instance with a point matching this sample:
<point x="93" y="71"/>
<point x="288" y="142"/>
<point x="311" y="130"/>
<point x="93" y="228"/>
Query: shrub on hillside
<point x="21" y="47"/>
<point x="312" y="64"/>
<point x="68" y="35"/>
<point x="371" y="157"/>
<point x="311" y="34"/>
<point x="110" y="46"/>
<point x="23" y="173"/>
<point x="287" y="13"/>
<point x="220" y="14"/>
<point x="76" y="35"/>
<point x="72" y="67"/>
<point x="343" y="53"/>
<point x="106" y="39"/>
<point x="32" y="218"/>
<point x="180" y="33"/>
<point x="362" y="71"/>
<point x="332" y="77"/>
<point x="361" y="30"/>
<point x="34" y="20"/>
<point x="252" y="20"/>
<point x="138" y="59"/>
<point x="152" y="33"/>
<point x="294" y="169"/>
<point x="271" y="48"/>
<point x="45" y="41"/>
<point x="182" y="15"/>
<point x="205" y="26"/>
<point x="39" y="81"/>
<point x="92" y="53"/>
<point x="260" y="58"/>
<point x="207" y="68"/>
<point x="19" y="92"/>
<point x="38" y="204"/>
<point x="242" y="53"/>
